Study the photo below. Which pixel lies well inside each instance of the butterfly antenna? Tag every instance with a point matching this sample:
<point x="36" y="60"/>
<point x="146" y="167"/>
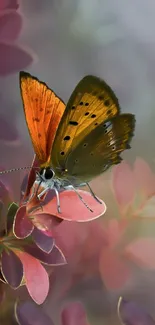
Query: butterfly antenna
<point x="16" y="169"/>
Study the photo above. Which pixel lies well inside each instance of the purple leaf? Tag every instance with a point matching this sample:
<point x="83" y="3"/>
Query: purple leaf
<point x="22" y="226"/>
<point x="131" y="313"/>
<point x="10" y="215"/>
<point x="12" y="269"/>
<point x="28" y="313"/>
<point x="10" y="25"/>
<point x="9" y="4"/>
<point x="55" y="257"/>
<point x="13" y="58"/>
<point x="44" y="242"/>
<point x="74" y="314"/>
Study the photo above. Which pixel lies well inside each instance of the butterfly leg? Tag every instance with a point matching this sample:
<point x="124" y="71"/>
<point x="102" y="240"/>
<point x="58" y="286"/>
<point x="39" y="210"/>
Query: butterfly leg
<point x="80" y="197"/>
<point x="93" y="194"/>
<point x="42" y="193"/>
<point x="58" y="199"/>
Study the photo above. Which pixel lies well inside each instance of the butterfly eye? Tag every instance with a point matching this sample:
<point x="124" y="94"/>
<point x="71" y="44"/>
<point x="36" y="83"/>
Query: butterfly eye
<point x="49" y="173"/>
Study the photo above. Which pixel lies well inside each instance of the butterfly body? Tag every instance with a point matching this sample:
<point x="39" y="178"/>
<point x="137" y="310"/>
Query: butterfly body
<point x="79" y="141"/>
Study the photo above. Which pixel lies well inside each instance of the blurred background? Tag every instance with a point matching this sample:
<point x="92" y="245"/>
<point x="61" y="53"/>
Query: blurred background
<point x="60" y="41"/>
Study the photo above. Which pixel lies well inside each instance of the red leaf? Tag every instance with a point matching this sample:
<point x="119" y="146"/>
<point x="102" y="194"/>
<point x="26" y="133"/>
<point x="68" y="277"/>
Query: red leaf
<point x="12" y="269"/>
<point x="141" y="251"/>
<point x="45" y="222"/>
<point x="13" y="58"/>
<point x="10" y="25"/>
<point x="36" y="277"/>
<point x="22" y="226"/>
<point x="73" y="208"/>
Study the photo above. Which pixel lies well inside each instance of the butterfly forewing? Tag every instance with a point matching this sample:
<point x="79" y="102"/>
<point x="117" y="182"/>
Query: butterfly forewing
<point x="100" y="149"/>
<point x="91" y="103"/>
<point x="43" y="111"/>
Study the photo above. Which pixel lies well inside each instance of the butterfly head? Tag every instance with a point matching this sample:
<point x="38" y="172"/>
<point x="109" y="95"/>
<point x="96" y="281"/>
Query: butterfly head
<point x="46" y="174"/>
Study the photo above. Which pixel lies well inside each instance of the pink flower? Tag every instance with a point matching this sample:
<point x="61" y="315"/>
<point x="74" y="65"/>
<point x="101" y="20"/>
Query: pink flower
<point x="25" y="258"/>
<point x="44" y="214"/>
<point x="129" y="237"/>
<point x="114" y="269"/>
<point x="133" y="187"/>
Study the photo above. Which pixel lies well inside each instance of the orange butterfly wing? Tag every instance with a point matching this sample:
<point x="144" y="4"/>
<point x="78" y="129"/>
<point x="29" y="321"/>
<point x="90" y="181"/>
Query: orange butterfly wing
<point x="43" y="112"/>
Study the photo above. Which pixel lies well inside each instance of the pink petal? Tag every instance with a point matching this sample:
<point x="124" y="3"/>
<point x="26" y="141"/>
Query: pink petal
<point x="36" y="277"/>
<point x="10" y="25"/>
<point x="22" y="226"/>
<point x="123" y="184"/>
<point x="9" y="4"/>
<point x="13" y="58"/>
<point x="114" y="272"/>
<point x="72" y="207"/>
<point x="74" y="314"/>
<point x="142" y="252"/>
<point x="144" y="177"/>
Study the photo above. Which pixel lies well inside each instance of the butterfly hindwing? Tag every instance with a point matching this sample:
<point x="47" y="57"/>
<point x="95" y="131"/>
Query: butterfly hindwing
<point x="43" y="111"/>
<point x="100" y="149"/>
<point x="91" y="103"/>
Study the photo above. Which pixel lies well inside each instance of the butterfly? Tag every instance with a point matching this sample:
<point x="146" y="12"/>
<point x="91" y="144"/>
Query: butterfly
<point x="75" y="142"/>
